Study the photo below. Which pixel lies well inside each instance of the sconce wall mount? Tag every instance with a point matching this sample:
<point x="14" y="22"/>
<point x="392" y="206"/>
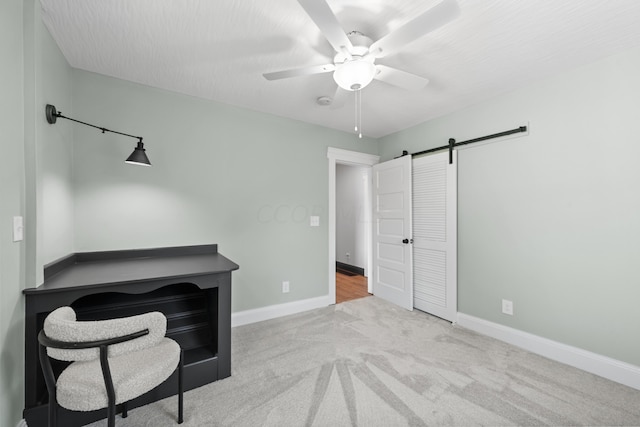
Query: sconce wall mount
<point x="138" y="157"/>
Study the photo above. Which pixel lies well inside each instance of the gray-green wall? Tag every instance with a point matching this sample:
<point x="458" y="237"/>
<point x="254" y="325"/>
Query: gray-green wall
<point x="35" y="179"/>
<point x="551" y="220"/>
<point x="245" y="180"/>
<point x="48" y="148"/>
<point x="12" y="186"/>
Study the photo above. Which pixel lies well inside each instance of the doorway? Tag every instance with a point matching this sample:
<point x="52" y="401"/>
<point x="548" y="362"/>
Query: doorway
<point x="337" y="156"/>
<point x="364" y="161"/>
<point x="353" y="227"/>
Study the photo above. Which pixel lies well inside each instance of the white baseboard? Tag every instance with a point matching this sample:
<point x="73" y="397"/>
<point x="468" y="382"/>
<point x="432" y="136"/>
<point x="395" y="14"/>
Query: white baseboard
<point x="612" y="369"/>
<point x="272" y="311"/>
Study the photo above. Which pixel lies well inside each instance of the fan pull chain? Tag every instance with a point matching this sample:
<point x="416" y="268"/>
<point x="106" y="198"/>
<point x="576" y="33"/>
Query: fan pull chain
<point x="358" y="112"/>
<point x="355" y="106"/>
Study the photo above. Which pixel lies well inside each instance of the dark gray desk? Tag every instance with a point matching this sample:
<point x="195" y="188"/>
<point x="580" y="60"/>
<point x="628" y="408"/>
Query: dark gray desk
<point x="191" y="285"/>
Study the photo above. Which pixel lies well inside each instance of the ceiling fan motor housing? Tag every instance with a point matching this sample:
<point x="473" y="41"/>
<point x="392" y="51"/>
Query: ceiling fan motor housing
<point x="360" y="44"/>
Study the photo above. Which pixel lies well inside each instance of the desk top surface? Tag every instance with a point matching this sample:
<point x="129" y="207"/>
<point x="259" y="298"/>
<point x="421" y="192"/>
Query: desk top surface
<point x="133" y="266"/>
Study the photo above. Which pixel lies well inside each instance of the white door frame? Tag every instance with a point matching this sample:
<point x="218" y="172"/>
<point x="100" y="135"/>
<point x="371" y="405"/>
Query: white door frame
<point x="353" y="158"/>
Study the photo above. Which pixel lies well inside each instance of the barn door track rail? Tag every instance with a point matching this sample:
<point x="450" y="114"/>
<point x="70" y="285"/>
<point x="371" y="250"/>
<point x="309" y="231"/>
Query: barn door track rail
<point x="452" y="143"/>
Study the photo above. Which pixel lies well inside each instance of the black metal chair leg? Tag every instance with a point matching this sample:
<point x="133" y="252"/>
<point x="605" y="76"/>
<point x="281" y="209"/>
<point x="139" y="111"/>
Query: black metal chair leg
<point x="180" y="388"/>
<point x="53" y="412"/>
<point x="50" y="381"/>
<point x="108" y="382"/>
<point x="111" y="416"/>
<point x="124" y="410"/>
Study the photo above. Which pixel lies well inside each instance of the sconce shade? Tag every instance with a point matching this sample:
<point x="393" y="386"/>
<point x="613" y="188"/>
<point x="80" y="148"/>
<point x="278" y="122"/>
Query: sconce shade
<point x="138" y="157"/>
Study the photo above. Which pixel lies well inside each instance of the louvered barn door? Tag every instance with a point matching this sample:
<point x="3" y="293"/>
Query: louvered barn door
<point x="434" y="235"/>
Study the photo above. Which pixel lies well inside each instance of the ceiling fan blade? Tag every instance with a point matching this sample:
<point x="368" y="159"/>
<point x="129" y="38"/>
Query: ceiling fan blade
<point x="400" y="78"/>
<point x="339" y="98"/>
<point x="320" y="12"/>
<point x="432" y="19"/>
<point x="296" y="72"/>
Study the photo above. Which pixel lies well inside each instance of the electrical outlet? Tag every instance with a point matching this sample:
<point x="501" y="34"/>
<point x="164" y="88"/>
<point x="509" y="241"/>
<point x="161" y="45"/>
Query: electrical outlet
<point x="285" y="287"/>
<point x="348" y="255"/>
<point x="507" y="307"/>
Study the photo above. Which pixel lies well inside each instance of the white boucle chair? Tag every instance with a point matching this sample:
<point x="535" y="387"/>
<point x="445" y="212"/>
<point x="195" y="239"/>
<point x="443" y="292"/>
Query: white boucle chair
<point x="114" y="361"/>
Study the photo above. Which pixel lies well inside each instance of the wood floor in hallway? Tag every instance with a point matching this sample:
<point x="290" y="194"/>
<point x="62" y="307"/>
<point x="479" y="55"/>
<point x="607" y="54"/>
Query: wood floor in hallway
<point x="350" y="287"/>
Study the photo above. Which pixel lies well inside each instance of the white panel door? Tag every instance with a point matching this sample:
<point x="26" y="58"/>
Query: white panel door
<point x="435" y="235"/>
<point x="392" y="232"/>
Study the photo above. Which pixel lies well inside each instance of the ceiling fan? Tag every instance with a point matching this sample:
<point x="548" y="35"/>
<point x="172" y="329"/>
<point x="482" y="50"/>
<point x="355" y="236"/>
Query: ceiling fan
<point x="354" y="64"/>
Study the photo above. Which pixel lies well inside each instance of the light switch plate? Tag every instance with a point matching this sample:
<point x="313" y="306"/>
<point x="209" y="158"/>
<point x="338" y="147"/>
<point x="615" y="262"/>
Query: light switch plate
<point x="314" y="221"/>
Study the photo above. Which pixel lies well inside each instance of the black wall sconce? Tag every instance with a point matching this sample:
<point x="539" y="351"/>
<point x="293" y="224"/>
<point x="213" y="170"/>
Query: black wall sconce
<point x="138" y="157"/>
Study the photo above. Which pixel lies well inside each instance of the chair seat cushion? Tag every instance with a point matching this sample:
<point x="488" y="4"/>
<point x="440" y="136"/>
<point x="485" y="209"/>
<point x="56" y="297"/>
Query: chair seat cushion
<point x="81" y="387"/>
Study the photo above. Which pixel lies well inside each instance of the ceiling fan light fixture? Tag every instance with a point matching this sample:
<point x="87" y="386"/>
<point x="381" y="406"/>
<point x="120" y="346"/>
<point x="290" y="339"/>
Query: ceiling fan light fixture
<point x="354" y="74"/>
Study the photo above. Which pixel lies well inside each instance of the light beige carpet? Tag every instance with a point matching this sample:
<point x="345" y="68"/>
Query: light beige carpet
<point x="368" y="363"/>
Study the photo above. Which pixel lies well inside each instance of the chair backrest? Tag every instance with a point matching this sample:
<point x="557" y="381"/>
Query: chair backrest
<point x="61" y="325"/>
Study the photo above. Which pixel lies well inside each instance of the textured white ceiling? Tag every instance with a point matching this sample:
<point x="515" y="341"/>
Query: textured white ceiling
<point x="218" y="50"/>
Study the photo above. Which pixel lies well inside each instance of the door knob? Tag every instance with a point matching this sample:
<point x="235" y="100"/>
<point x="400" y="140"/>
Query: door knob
<point x="406" y="241"/>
